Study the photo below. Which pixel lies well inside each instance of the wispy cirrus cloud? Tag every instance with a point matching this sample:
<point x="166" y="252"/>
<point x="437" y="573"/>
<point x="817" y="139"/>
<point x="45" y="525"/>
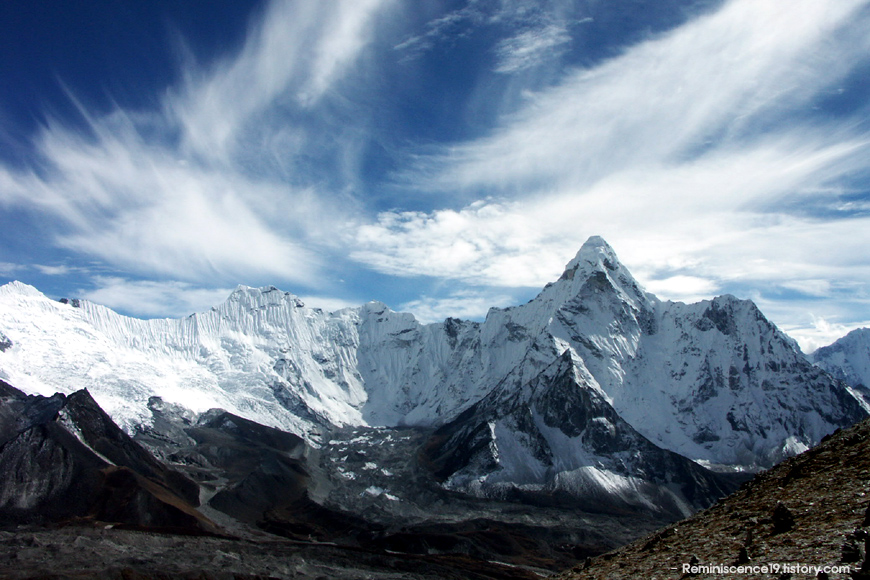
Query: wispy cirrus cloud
<point x="293" y="55"/>
<point x="172" y="192"/>
<point x="692" y="148"/>
<point x="530" y="47"/>
<point x="715" y="82"/>
<point x="56" y="270"/>
<point x="136" y="206"/>
<point x="10" y="268"/>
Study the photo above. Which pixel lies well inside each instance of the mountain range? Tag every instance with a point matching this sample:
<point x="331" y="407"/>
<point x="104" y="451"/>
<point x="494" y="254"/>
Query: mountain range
<point x="595" y="394"/>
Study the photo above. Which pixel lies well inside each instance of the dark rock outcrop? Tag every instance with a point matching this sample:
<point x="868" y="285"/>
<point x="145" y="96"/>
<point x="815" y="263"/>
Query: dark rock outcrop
<point x="63" y="458"/>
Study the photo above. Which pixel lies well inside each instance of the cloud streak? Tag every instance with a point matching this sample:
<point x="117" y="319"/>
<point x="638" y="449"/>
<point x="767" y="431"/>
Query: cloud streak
<point x="149" y="298"/>
<point x="701" y="154"/>
<point x="688" y="152"/>
<point x="171" y="192"/>
<point x="294" y="54"/>
<point x="530" y="47"/>
<point x="718" y="79"/>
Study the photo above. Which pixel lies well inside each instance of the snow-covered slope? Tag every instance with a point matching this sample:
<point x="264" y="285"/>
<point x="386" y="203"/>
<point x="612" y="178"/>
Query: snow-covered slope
<point x="714" y="381"/>
<point x="559" y="435"/>
<point x="261" y="354"/>
<point x="847" y="359"/>
<point x="223" y="358"/>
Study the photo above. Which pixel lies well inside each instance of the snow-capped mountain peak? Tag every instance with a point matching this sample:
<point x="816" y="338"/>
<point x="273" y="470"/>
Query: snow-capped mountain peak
<point x="848" y="359"/>
<point x="714" y="381"/>
<point x="594" y="254"/>
<point x="596" y="285"/>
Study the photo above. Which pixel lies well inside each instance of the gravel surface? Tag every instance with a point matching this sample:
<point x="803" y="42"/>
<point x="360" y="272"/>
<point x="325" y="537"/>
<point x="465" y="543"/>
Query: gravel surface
<point x="88" y="552"/>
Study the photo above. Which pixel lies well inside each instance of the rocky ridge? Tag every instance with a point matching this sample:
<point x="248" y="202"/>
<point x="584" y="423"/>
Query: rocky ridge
<point x="63" y="458"/>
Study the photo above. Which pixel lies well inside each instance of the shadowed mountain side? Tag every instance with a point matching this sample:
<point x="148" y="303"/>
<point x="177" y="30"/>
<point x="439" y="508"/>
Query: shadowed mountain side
<point x="811" y="510"/>
<point x="63" y="457"/>
<point x="557" y="441"/>
<point x="256" y="474"/>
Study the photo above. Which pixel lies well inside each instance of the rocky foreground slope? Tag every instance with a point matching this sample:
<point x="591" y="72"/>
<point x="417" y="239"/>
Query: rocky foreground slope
<point x="807" y="515"/>
<point x="63" y="458"/>
<point x="75" y="487"/>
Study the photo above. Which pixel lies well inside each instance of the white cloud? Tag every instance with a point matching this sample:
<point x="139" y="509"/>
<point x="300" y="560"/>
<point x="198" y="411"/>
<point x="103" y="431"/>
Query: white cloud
<point x="135" y="206"/>
<point x="688" y="149"/>
<point x="328" y="303"/>
<point x="10" y="269"/>
<point x="62" y="270"/>
<point x="171" y="191"/>
<point x="813" y="331"/>
<point x="149" y="298"/>
<point x="292" y="57"/>
<point x="465" y="304"/>
<point x="682" y="288"/>
<point x="709" y="82"/>
<point x="660" y="218"/>
<point x="486" y="242"/>
<point x="448" y="26"/>
<point x="531" y="47"/>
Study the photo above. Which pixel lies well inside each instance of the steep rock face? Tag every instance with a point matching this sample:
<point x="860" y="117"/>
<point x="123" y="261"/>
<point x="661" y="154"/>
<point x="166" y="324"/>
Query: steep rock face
<point x="63" y="457"/>
<point x="558" y="435"/>
<point x="714" y="381"/>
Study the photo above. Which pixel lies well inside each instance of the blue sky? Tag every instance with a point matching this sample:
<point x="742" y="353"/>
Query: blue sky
<point x="442" y="157"/>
